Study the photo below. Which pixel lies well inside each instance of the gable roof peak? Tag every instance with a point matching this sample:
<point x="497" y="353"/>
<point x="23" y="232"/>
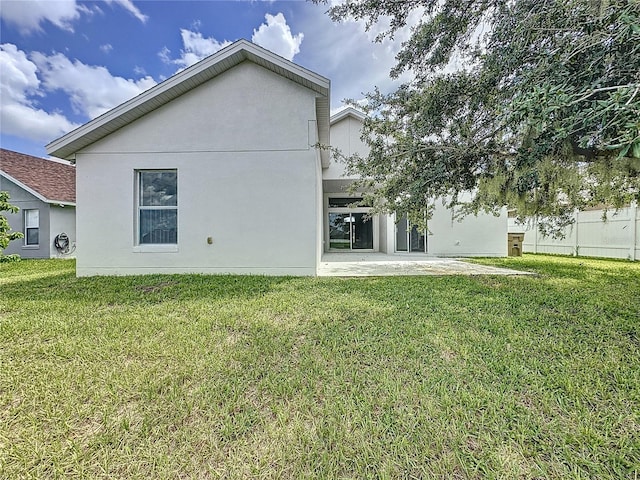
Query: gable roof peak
<point x="185" y="80"/>
<point x="347" y="112"/>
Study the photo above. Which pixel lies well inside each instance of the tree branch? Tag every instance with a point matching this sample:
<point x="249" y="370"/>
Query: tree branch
<point x="604" y="89"/>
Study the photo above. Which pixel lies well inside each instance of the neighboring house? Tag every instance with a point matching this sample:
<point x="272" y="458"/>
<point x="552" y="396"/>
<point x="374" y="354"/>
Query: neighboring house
<point x="45" y="193"/>
<point x="215" y="171"/>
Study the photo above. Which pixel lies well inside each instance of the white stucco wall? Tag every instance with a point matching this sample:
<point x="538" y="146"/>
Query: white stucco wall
<point x="473" y="236"/>
<point x="247" y="177"/>
<point x="345" y="135"/>
<point x="247" y="108"/>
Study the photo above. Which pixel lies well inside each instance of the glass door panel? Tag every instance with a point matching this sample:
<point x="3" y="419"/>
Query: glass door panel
<point x="401" y="235"/>
<point x="361" y="232"/>
<point x="409" y="238"/>
<point x="417" y="240"/>
<point x="339" y="231"/>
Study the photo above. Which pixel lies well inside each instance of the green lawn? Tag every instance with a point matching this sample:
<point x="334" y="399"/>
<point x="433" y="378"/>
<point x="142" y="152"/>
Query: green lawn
<point x="257" y="377"/>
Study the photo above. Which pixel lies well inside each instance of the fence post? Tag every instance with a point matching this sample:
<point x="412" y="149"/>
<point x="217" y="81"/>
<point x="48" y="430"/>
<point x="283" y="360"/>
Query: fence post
<point x="633" y="213"/>
<point x="576" y="246"/>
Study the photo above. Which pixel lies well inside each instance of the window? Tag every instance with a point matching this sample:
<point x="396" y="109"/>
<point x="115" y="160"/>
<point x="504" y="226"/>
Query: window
<point x="337" y="202"/>
<point x="32" y="227"/>
<point x="157" y="207"/>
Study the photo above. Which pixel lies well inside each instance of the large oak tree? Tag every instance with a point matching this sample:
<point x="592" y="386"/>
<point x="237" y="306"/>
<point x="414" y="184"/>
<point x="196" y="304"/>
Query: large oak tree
<point x="541" y="112"/>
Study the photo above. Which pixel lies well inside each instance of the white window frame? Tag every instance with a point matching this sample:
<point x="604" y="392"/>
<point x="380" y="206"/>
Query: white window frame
<point x="152" y="247"/>
<point x="28" y="226"/>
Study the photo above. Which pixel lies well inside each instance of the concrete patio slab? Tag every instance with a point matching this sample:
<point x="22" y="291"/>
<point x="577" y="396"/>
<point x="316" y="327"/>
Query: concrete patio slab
<point x="380" y="264"/>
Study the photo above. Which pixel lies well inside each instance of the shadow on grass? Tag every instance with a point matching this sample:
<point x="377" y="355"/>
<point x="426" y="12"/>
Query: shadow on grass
<point x="576" y="268"/>
<point x="566" y="287"/>
<point x="138" y="289"/>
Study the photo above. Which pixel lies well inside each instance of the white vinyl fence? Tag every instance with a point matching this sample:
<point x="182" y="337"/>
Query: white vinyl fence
<point x="590" y="235"/>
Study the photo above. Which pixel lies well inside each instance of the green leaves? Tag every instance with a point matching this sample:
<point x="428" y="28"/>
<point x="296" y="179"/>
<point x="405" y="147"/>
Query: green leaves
<point x="6" y="235"/>
<point x="544" y="117"/>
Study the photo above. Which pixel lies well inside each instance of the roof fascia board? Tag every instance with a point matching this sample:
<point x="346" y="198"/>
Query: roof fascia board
<point x="39" y="196"/>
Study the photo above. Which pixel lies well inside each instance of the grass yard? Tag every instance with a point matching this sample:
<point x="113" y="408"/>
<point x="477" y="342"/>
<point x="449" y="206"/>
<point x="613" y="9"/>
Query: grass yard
<point x="256" y="377"/>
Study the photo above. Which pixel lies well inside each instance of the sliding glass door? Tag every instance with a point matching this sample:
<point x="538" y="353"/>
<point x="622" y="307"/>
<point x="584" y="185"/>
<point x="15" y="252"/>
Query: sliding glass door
<point x="350" y="227"/>
<point x="409" y="238"/>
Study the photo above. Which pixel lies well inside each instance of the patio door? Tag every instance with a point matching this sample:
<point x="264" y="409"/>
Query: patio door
<point x="409" y="238"/>
<point x="350" y="228"/>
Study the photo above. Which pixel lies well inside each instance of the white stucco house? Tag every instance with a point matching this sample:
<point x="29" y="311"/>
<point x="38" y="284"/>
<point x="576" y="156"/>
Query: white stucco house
<point x="215" y="171"/>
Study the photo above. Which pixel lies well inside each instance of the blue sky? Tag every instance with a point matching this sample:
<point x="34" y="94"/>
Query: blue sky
<point x="63" y="62"/>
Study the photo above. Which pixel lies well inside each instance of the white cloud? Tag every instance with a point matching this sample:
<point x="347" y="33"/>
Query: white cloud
<point x="196" y="47"/>
<point x="32" y="123"/>
<point x="26" y="79"/>
<point x="165" y="55"/>
<point x="29" y="15"/>
<point x="106" y="48"/>
<point x="276" y="36"/>
<point x="131" y="8"/>
<point x="19" y="77"/>
<point x="346" y="53"/>
<point x="19" y="113"/>
<point x="92" y="89"/>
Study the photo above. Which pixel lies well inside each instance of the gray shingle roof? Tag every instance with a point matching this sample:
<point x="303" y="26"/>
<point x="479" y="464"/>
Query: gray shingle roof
<point x="53" y="181"/>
